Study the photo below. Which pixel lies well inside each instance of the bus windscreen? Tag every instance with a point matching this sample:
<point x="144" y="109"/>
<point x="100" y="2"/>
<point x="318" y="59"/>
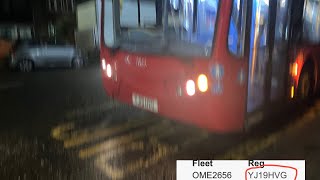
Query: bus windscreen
<point x="184" y="28"/>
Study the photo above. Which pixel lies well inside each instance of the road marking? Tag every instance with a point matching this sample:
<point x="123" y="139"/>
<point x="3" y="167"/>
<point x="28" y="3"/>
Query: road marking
<point x="148" y="134"/>
<point x="10" y="85"/>
<point x="59" y="132"/>
<point x="121" y="140"/>
<point x="87" y="136"/>
<point x="102" y="161"/>
<point x="252" y="147"/>
<point x="161" y="151"/>
<point x="90" y="109"/>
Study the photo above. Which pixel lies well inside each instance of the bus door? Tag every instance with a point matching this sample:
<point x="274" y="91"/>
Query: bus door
<point x="279" y="71"/>
<point x="258" y="54"/>
<point x="268" y="53"/>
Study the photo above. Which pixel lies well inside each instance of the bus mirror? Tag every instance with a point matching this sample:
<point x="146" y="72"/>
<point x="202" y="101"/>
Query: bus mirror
<point x="111" y="23"/>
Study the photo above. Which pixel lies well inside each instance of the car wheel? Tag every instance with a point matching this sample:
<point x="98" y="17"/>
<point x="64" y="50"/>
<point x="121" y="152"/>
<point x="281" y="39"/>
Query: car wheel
<point x="77" y="63"/>
<point x="25" y="65"/>
<point x="306" y="83"/>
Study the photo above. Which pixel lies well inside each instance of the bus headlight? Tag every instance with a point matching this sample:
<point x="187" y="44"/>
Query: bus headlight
<point x="109" y="70"/>
<point x="203" y="83"/>
<point x="103" y="64"/>
<point x="190" y="87"/>
<point x="295" y="69"/>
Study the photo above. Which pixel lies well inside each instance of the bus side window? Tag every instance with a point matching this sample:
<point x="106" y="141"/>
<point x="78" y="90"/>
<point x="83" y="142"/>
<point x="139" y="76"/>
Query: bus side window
<point x="311" y="23"/>
<point x="237" y="28"/>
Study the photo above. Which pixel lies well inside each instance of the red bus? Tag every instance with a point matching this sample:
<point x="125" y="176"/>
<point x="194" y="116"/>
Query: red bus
<point x="217" y="64"/>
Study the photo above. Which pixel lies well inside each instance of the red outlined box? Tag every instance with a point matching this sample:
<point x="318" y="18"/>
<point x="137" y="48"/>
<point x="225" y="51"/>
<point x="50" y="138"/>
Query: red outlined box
<point x="272" y="165"/>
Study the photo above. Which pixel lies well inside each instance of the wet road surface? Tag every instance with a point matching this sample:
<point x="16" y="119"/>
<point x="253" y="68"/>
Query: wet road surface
<point x="59" y="124"/>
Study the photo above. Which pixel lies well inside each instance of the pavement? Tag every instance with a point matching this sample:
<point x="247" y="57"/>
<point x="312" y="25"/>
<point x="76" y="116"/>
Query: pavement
<point x="299" y="142"/>
<point x="59" y="124"/>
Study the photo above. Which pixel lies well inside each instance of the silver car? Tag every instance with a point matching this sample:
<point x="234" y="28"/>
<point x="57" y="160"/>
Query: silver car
<point x="28" y="55"/>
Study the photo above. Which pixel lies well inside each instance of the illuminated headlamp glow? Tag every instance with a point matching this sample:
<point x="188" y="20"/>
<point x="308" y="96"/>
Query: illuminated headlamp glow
<point x="109" y="71"/>
<point x="295" y="69"/>
<point x="103" y="64"/>
<point x="203" y="83"/>
<point x="190" y="87"/>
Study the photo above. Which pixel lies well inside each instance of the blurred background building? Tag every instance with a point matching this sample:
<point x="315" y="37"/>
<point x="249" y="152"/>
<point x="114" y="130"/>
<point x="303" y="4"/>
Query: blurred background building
<point x="54" y="20"/>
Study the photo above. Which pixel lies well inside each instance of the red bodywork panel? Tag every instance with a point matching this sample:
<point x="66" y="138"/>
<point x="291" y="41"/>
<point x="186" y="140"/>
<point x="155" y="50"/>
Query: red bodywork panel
<point x="163" y="75"/>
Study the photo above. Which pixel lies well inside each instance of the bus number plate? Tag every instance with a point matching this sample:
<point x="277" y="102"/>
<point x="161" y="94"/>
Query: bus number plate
<point x="145" y="103"/>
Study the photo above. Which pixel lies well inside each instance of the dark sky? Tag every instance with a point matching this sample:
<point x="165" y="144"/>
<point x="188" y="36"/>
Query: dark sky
<point x="12" y="11"/>
<point x="16" y="11"/>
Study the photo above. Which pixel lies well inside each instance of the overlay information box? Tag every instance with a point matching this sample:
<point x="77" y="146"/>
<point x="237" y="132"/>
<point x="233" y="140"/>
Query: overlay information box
<point x="241" y="169"/>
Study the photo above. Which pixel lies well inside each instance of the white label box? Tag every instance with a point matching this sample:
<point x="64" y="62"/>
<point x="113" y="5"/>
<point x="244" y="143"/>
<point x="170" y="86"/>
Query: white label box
<point x="240" y="169"/>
